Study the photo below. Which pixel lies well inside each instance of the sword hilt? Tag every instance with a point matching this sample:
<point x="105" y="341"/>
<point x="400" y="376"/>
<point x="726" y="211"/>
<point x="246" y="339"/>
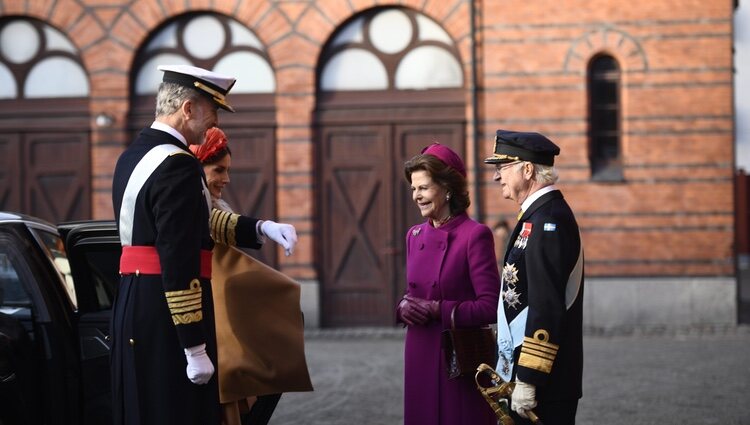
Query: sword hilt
<point x="534" y="418"/>
<point x="497" y="395"/>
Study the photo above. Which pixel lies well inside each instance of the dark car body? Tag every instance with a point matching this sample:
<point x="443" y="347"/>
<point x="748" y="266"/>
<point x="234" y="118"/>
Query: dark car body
<point x="57" y="285"/>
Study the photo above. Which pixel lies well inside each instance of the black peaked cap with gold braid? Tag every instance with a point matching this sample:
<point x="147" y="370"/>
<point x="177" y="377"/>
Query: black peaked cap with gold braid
<point x="511" y="146"/>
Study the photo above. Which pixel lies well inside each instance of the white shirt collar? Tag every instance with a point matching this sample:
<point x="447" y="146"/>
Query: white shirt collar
<point x="158" y="125"/>
<point x="536" y="195"/>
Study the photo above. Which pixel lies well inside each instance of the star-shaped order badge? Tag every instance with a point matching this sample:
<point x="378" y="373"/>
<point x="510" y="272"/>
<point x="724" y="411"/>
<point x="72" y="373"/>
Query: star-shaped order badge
<point x="512" y="298"/>
<point x="510" y="274"/>
<point x="510" y="278"/>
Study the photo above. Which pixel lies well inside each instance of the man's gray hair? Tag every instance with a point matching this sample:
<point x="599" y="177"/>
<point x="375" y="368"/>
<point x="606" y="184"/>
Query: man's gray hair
<point x="544" y="174"/>
<point x="170" y="97"/>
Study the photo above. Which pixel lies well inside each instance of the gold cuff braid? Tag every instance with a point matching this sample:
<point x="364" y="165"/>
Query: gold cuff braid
<point x="186" y="305"/>
<point x="224" y="227"/>
<point x="537" y="353"/>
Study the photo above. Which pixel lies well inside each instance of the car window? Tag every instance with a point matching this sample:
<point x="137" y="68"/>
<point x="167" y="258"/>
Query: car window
<point x="55" y="250"/>
<point x="14" y="300"/>
<point x="103" y="266"/>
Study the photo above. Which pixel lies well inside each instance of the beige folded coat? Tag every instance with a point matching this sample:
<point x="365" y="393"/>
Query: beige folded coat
<point x="259" y="328"/>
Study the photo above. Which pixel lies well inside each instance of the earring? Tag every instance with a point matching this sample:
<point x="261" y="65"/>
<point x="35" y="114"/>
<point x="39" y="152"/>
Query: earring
<point x="448" y="197"/>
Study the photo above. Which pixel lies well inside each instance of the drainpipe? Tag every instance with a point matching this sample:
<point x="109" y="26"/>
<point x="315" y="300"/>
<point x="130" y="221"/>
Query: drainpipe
<point x="477" y="201"/>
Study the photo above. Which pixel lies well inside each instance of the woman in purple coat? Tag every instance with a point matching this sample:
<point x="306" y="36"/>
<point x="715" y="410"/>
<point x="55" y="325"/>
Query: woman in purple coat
<point x="450" y="264"/>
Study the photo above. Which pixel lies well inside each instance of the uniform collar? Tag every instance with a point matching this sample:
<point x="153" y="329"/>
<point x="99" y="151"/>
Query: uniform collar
<point x="158" y="125"/>
<point x="536" y="195"/>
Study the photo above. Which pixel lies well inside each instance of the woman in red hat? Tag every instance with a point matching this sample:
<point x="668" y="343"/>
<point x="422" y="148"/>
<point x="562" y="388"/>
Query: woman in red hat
<point x="259" y="329"/>
<point x="451" y="274"/>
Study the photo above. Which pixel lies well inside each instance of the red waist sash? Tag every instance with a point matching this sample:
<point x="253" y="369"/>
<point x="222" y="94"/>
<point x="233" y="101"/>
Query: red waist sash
<point x="145" y="260"/>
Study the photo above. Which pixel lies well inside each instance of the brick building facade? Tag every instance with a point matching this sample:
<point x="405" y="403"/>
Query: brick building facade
<point x="649" y="176"/>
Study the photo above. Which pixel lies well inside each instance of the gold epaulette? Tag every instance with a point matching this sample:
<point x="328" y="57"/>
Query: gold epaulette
<point x="186" y="305"/>
<point x="223" y="227"/>
<point x="537" y="353"/>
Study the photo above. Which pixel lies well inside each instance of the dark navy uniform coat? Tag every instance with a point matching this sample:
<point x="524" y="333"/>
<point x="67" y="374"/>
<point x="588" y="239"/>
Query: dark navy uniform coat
<point x="151" y="323"/>
<point x="542" y="299"/>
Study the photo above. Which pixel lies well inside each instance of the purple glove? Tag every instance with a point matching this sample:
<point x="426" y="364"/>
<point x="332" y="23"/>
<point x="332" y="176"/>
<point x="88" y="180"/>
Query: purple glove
<point x="432" y="307"/>
<point x="412" y="313"/>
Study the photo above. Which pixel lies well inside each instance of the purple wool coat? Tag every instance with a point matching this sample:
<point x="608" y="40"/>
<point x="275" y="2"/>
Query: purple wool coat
<point x="455" y="264"/>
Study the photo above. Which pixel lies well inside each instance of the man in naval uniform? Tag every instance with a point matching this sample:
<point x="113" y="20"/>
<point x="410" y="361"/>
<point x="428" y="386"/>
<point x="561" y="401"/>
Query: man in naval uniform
<point x="163" y="333"/>
<point x="541" y="299"/>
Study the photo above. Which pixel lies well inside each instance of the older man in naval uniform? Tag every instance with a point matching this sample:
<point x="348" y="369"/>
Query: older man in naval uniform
<point x="541" y="298"/>
<point x="163" y="331"/>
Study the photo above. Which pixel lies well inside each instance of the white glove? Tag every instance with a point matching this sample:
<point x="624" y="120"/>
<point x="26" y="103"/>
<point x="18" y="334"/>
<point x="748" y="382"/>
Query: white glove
<point x="199" y="366"/>
<point x="523" y="398"/>
<point x="281" y="233"/>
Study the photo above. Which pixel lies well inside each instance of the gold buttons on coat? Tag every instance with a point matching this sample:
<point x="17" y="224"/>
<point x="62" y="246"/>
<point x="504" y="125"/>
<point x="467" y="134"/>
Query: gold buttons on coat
<point x="132" y="342"/>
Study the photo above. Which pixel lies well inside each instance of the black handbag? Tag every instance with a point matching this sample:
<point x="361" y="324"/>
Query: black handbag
<point x="466" y="349"/>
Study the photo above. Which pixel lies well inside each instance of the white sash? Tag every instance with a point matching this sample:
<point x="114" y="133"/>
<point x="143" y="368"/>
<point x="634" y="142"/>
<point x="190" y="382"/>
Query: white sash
<point x="138" y="177"/>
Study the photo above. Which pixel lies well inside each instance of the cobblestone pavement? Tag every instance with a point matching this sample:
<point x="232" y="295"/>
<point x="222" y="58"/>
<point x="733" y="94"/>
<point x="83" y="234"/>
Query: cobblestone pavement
<point x="694" y="377"/>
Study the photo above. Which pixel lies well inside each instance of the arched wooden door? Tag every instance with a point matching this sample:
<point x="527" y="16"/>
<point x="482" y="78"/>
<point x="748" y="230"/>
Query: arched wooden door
<point x="44" y="123"/>
<point x="368" y="123"/>
<point x="232" y="50"/>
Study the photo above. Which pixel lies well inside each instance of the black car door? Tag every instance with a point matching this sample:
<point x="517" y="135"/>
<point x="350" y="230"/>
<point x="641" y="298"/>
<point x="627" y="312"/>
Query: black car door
<point x="93" y="251"/>
<point x="32" y="331"/>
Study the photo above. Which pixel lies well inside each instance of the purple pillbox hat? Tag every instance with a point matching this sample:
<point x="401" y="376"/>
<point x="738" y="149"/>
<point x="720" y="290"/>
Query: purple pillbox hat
<point x="445" y="154"/>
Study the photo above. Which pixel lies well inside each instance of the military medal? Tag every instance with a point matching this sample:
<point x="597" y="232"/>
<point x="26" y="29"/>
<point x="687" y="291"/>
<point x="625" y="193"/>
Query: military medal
<point x="523" y="237"/>
<point x="505" y="354"/>
<point x="512" y="298"/>
<point x="506" y="366"/>
<point x="510" y="277"/>
<point x="510" y="274"/>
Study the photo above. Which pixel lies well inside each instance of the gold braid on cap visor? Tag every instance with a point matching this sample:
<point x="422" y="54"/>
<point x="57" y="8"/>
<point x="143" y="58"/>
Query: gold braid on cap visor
<point x="503" y="156"/>
<point x="500" y="155"/>
<point x="218" y="97"/>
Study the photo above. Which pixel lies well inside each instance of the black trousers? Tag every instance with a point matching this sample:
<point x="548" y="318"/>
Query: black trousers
<point x="260" y="413"/>
<point x="551" y="413"/>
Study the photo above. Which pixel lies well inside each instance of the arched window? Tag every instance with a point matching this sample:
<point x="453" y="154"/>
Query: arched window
<point x="390" y="49"/>
<point x="604" y="132"/>
<point x="230" y="49"/>
<point x="44" y="122"/>
<point x="38" y="61"/>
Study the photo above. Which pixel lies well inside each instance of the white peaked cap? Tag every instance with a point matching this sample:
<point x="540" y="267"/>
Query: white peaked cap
<point x="212" y="85"/>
